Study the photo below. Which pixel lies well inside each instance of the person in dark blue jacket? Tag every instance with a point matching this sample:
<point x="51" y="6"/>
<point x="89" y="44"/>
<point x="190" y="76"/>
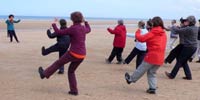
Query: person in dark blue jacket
<point x="61" y="46"/>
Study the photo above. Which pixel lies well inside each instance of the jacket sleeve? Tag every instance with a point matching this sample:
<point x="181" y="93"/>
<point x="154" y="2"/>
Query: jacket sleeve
<point x="115" y="31"/>
<point x="179" y="30"/>
<point x="87" y="28"/>
<point x="61" y="32"/>
<point x="130" y="35"/>
<point x="143" y="38"/>
<point x="16" y="21"/>
<point x="50" y="35"/>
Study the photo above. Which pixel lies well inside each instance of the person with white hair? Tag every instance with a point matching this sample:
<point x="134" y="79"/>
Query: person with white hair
<point x="190" y="34"/>
<point x="119" y="42"/>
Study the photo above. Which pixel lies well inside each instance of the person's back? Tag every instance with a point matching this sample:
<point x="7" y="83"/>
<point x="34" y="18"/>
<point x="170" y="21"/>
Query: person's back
<point x="120" y="36"/>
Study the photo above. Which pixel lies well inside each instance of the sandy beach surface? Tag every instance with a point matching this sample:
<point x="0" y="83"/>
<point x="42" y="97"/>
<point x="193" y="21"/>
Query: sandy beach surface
<point x="19" y="79"/>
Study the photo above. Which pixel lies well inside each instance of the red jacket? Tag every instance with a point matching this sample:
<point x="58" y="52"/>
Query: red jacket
<point x="120" y="36"/>
<point x="156" y="42"/>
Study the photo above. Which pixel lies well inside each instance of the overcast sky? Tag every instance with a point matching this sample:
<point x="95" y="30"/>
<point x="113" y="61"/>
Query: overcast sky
<point x="168" y="9"/>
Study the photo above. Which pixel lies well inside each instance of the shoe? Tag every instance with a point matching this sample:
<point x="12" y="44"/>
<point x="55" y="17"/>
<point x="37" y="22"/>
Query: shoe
<point x="119" y="63"/>
<point x="41" y="72"/>
<point x="107" y="61"/>
<point x="187" y="78"/>
<point x="43" y="51"/>
<point x="165" y="61"/>
<point x="198" y="61"/>
<point x="73" y="93"/>
<point x="190" y="60"/>
<point x="124" y="62"/>
<point x="60" y="72"/>
<point x="127" y="77"/>
<point x="151" y="91"/>
<point x="168" y="75"/>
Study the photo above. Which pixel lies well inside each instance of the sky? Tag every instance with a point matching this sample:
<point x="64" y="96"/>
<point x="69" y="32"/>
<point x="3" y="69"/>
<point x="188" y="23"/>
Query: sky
<point x="168" y="9"/>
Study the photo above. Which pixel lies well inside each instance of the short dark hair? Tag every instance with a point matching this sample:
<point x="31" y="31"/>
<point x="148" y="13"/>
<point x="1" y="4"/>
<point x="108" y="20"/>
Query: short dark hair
<point x="173" y="21"/>
<point x="157" y="21"/>
<point x="63" y="23"/>
<point x="141" y="24"/>
<point x="77" y="17"/>
<point x="11" y="15"/>
<point x="149" y="23"/>
<point x="199" y="20"/>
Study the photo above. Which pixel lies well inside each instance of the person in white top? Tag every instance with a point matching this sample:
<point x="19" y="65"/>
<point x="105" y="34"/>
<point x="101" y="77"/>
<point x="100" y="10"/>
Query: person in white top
<point x="140" y="49"/>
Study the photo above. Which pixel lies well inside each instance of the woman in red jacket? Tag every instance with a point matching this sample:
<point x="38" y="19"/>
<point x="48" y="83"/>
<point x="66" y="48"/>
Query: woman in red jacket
<point x="156" y="43"/>
<point x="119" y="42"/>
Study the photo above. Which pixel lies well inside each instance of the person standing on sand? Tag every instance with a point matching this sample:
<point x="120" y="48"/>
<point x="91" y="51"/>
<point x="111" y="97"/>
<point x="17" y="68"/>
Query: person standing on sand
<point x="189" y="47"/>
<point x="118" y="43"/>
<point x="156" y="43"/>
<point x="61" y="46"/>
<point x="173" y="36"/>
<point x="140" y="49"/>
<point x="76" y="53"/>
<point x="10" y="28"/>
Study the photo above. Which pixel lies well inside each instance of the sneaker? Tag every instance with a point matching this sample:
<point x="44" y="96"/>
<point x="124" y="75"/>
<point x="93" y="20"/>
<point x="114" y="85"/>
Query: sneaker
<point x="168" y="75"/>
<point x="190" y="60"/>
<point x="127" y="77"/>
<point x="151" y="91"/>
<point x="107" y="61"/>
<point x="119" y="63"/>
<point x="41" y="72"/>
<point x="43" y="51"/>
<point x="73" y="93"/>
<point x="198" y="61"/>
<point x="60" y="72"/>
<point x="187" y="78"/>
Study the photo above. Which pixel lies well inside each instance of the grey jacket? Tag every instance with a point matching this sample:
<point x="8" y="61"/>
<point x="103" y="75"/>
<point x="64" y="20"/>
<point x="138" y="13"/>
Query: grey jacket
<point x="189" y="33"/>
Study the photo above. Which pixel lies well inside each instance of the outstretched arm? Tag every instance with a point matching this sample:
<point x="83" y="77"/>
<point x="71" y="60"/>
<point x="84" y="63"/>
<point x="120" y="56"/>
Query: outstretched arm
<point x="61" y="32"/>
<point x="16" y="21"/>
<point x="143" y="38"/>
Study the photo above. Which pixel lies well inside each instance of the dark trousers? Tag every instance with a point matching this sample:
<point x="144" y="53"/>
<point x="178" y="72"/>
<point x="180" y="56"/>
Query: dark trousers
<point x="62" y="49"/>
<point x="116" y="52"/>
<point x="12" y="34"/>
<point x="136" y="52"/>
<point x="66" y="58"/>
<point x="185" y="54"/>
<point x="174" y="53"/>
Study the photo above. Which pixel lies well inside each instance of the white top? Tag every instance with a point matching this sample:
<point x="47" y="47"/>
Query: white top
<point x="139" y="45"/>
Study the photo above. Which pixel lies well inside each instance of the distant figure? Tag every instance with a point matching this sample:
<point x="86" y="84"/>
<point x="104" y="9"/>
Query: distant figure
<point x="76" y="53"/>
<point x="190" y="34"/>
<point x="156" y="43"/>
<point x="140" y="49"/>
<point x="62" y="45"/>
<point x="173" y="36"/>
<point x="10" y="28"/>
<point x="118" y="43"/>
<point x="198" y="49"/>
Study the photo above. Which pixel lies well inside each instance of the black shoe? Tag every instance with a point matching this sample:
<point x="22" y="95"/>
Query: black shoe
<point x="41" y="72"/>
<point x="198" y="61"/>
<point x="120" y="62"/>
<point x="73" y="93"/>
<point x="169" y="75"/>
<point x="165" y="61"/>
<point x="190" y="60"/>
<point x="43" y="51"/>
<point x="187" y="78"/>
<point x="151" y="91"/>
<point x="107" y="61"/>
<point x="127" y="77"/>
<point x="60" y="72"/>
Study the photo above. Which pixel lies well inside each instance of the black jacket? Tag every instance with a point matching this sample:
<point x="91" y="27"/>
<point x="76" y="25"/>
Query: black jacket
<point x="62" y="40"/>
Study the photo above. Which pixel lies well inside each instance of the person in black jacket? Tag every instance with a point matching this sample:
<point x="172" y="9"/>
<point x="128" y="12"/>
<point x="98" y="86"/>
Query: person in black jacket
<point x="61" y="46"/>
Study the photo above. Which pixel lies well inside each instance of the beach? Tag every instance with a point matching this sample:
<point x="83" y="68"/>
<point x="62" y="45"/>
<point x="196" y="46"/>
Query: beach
<point x="19" y="62"/>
